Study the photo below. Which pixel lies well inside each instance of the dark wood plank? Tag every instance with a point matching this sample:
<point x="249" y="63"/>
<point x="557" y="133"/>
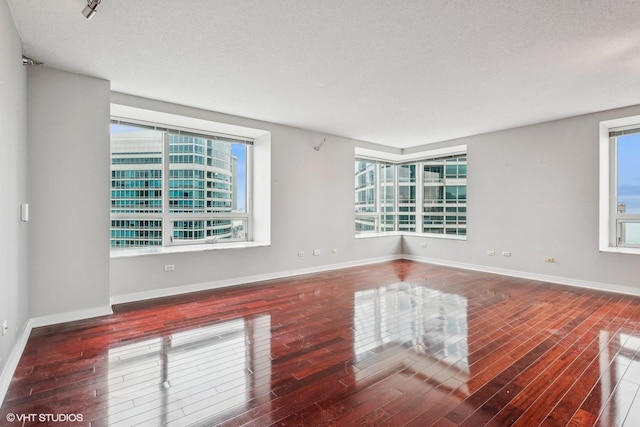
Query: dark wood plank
<point x="395" y="343"/>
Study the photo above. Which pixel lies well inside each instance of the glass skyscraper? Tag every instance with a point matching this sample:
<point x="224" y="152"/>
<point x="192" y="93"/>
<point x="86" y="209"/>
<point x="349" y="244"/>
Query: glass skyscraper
<point x="200" y="183"/>
<point x="427" y="196"/>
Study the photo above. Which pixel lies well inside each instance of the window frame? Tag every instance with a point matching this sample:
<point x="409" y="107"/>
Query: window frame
<point x="168" y="218"/>
<point x="416" y="225"/>
<point x="610" y="219"/>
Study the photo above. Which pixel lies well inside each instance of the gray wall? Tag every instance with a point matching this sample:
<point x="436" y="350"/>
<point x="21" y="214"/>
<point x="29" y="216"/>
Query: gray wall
<point x="69" y="190"/>
<point x="311" y="208"/>
<point x="14" y="287"/>
<point x="534" y="191"/>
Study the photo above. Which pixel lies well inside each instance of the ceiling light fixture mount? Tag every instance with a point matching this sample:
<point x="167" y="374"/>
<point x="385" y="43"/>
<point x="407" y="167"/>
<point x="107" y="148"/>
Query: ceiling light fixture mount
<point x="90" y="9"/>
<point x="30" y="61"/>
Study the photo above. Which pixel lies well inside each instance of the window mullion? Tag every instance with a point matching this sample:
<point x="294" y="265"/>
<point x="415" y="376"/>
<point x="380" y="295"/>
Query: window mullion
<point x="613" y="192"/>
<point x="377" y="188"/>
<point x="396" y="197"/>
<point x="167" y="229"/>
<point x="419" y="197"/>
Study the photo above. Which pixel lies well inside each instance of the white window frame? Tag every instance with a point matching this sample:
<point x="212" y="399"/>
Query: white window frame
<point x="398" y="159"/>
<point x="609" y="218"/>
<point x="259" y="173"/>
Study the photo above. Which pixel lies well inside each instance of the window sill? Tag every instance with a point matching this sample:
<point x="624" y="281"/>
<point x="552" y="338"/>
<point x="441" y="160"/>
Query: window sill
<point x="127" y="253"/>
<point x="618" y="250"/>
<point x="372" y="235"/>
<point x="410" y="234"/>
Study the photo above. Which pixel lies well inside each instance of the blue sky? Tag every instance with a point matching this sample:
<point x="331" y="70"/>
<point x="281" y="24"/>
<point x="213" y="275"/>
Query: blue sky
<point x="116" y="128"/>
<point x="240" y="152"/>
<point x="629" y="172"/>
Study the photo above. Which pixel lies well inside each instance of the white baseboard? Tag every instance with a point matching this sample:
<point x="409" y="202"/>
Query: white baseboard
<point x="159" y="293"/>
<point x="70" y="316"/>
<point x="12" y="362"/>
<point x="597" y="286"/>
<point x="18" y="348"/>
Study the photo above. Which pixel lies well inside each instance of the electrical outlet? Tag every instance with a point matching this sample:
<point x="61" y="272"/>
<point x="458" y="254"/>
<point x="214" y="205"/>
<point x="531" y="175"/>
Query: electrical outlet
<point x="549" y="259"/>
<point x="5" y="327"/>
<point x="491" y="253"/>
<point x="334" y="251"/>
<point x="316" y="252"/>
<point x="301" y="253"/>
<point x="169" y="267"/>
<point x="506" y="253"/>
<point x="423" y="245"/>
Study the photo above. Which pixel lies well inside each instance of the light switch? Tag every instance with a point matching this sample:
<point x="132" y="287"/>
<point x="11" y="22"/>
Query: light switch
<point x="24" y="212"/>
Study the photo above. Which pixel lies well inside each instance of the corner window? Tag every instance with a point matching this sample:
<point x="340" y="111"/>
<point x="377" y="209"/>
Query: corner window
<point x="178" y="187"/>
<point x="426" y="195"/>
<point x="620" y="186"/>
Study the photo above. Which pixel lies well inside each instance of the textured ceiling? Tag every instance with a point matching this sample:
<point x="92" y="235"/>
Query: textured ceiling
<point x="397" y="72"/>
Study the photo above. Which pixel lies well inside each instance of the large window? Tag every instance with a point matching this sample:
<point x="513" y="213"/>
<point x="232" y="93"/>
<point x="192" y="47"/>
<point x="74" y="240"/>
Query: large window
<point x="427" y="195"/>
<point x="623" y="152"/>
<point x="176" y="187"/>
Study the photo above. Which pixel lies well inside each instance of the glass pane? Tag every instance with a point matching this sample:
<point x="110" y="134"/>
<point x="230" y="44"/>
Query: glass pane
<point x="136" y="170"/>
<point x="239" y="168"/>
<point x="628" y="160"/>
<point x="387" y="188"/>
<point x="210" y="230"/>
<point x="456" y="193"/>
<point x="387" y="173"/>
<point x="630" y="233"/>
<point x="387" y="223"/>
<point x="136" y="186"/>
<point x="433" y="195"/>
<point x="406" y="222"/>
<point x="206" y="175"/>
<point x="407" y="173"/>
<point x="365" y="191"/>
<point x="365" y="224"/>
<point x="407" y="198"/>
<point x="136" y="233"/>
<point x="432" y="220"/>
<point x="433" y="173"/>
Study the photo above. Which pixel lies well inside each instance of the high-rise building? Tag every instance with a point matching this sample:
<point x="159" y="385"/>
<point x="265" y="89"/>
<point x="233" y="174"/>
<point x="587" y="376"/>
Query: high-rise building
<point x="200" y="183"/>
<point x="428" y="196"/>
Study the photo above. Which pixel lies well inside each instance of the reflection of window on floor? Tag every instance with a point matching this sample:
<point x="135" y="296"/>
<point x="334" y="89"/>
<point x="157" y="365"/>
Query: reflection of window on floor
<point x="203" y="373"/>
<point x="619" y="379"/>
<point x="433" y="322"/>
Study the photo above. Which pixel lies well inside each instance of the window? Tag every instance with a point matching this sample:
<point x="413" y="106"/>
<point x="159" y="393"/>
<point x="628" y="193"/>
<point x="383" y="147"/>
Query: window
<point x="427" y="195"/>
<point x="177" y="187"/>
<point x="620" y="151"/>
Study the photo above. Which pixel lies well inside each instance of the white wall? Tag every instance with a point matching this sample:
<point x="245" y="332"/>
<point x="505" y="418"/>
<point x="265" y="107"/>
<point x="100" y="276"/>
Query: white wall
<point x="311" y="208"/>
<point x="69" y="191"/>
<point x="14" y="288"/>
<point x="533" y="191"/>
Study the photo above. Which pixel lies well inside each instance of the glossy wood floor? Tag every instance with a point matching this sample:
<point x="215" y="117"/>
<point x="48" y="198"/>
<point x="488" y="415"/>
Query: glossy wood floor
<point x="398" y="343"/>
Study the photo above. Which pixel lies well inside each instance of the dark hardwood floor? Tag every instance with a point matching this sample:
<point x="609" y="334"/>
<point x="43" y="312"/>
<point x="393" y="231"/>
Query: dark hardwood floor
<point x="397" y="343"/>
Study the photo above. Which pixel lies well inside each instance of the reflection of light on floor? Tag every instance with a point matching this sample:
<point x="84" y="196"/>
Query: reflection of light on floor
<point x="199" y="373"/>
<point x="431" y="323"/>
<point x="626" y="371"/>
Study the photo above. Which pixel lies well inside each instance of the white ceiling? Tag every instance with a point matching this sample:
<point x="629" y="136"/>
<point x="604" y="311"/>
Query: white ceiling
<point x="395" y="72"/>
